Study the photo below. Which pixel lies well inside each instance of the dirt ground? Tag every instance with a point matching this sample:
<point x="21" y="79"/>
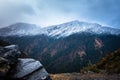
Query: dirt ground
<point x="90" y="76"/>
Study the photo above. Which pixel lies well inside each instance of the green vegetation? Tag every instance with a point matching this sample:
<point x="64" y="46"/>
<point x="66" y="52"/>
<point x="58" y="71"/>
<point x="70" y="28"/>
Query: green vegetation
<point x="109" y="64"/>
<point x="64" y="54"/>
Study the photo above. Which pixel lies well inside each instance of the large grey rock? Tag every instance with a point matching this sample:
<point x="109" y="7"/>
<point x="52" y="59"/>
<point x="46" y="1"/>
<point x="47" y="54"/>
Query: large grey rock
<point x="40" y="74"/>
<point x="15" y="47"/>
<point x="8" y="57"/>
<point x="30" y="69"/>
<point x="12" y="66"/>
<point x="12" y="53"/>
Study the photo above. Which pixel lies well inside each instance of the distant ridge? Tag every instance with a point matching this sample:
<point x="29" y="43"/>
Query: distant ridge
<point x="58" y="31"/>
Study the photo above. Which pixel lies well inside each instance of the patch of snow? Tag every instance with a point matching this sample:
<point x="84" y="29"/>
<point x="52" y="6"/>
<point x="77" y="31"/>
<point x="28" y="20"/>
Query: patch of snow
<point x="57" y="31"/>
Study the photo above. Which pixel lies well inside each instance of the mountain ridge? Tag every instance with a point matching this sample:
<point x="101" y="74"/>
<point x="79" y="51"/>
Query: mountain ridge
<point x="58" y="31"/>
<point x="73" y="52"/>
<point x="67" y="44"/>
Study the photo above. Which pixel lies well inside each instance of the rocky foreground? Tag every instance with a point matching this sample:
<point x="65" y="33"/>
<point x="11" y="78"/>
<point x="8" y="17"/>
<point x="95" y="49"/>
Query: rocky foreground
<point x="14" y="67"/>
<point x="87" y="76"/>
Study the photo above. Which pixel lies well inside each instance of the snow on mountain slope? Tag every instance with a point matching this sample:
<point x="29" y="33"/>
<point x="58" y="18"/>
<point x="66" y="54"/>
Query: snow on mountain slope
<point x="62" y="30"/>
<point x="70" y="28"/>
<point x="21" y="29"/>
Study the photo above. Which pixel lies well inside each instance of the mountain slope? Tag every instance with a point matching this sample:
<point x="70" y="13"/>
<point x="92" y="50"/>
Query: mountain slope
<point x="68" y="47"/>
<point x="110" y="63"/>
<point x="20" y="29"/>
<point x="4" y="43"/>
<point x="79" y="76"/>
<point x="74" y="27"/>
<point x="73" y="52"/>
<point x="58" y="31"/>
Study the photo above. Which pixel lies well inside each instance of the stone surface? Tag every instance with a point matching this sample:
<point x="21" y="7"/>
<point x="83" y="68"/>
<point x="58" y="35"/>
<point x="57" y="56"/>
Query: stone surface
<point x="30" y="69"/>
<point x="8" y="57"/>
<point x="12" y="66"/>
<point x="26" y="66"/>
<point x="12" y="47"/>
<point x="40" y="74"/>
<point x="12" y="54"/>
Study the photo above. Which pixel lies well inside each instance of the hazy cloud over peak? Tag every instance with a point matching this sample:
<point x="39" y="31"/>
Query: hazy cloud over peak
<point x="51" y="12"/>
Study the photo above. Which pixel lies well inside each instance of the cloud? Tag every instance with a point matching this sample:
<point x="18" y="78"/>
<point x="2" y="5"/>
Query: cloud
<point x="51" y="12"/>
<point x="12" y="11"/>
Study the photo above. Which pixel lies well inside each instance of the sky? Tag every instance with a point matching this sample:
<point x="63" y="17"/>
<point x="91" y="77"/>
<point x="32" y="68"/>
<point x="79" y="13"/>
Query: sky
<point x="52" y="12"/>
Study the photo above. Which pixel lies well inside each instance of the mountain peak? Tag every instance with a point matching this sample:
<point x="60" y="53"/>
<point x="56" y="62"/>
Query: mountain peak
<point x="20" y="29"/>
<point x="75" y="21"/>
<point x="76" y="26"/>
<point x="23" y="25"/>
<point x="61" y="30"/>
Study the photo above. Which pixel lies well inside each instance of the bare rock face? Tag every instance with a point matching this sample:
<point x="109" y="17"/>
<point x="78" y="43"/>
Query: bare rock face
<point x="98" y="43"/>
<point x="14" y="67"/>
<point x="8" y="57"/>
<point x="30" y="69"/>
<point x="12" y="54"/>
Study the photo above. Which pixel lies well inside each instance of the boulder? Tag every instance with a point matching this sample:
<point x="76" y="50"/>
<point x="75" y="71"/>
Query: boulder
<point x="30" y="69"/>
<point x="14" y="67"/>
<point x="8" y="57"/>
<point x="12" y="54"/>
<point x="12" y="47"/>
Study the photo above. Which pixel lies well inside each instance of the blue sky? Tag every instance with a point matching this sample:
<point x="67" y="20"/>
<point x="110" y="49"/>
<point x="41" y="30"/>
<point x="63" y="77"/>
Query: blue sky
<point x="51" y="12"/>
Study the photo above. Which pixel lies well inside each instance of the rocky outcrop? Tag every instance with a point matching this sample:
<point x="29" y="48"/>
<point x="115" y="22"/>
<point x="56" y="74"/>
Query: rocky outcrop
<point x="4" y="67"/>
<point x="14" y="67"/>
<point x="30" y="69"/>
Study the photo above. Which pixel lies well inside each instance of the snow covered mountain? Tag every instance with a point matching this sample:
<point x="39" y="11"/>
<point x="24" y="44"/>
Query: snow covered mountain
<point x="73" y="27"/>
<point x="62" y="30"/>
<point x="20" y="29"/>
<point x="82" y="43"/>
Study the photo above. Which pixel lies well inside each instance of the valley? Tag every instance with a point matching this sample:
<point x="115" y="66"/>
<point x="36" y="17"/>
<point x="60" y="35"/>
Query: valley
<point x="75" y="46"/>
